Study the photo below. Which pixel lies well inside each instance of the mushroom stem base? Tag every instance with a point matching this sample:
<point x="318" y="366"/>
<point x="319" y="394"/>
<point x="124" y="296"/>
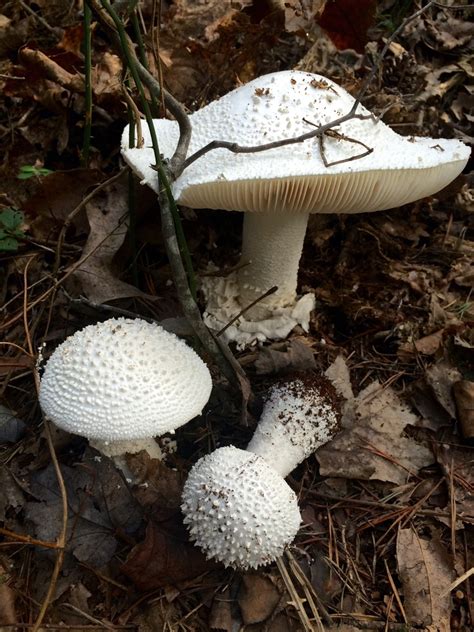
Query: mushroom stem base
<point x="222" y="305"/>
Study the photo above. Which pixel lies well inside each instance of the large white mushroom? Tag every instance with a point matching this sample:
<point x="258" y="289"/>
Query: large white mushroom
<point x="236" y="503"/>
<point x="122" y="382"/>
<point x="361" y="166"/>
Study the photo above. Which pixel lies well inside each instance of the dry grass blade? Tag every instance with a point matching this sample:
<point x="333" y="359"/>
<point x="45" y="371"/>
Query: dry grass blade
<point x="61" y="544"/>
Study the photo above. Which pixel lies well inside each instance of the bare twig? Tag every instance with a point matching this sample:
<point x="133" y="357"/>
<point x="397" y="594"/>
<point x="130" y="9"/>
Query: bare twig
<point x="172" y="104"/>
<point x="61" y="543"/>
<point x="235" y="148"/>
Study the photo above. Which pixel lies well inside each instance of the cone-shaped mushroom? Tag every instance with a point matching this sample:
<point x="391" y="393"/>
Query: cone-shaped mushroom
<point x="236" y="503"/>
<point x="360" y="166"/>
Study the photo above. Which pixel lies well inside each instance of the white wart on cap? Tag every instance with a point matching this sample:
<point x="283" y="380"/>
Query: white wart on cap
<point x="123" y="379"/>
<point x="280" y="187"/>
<point x="239" y="511"/>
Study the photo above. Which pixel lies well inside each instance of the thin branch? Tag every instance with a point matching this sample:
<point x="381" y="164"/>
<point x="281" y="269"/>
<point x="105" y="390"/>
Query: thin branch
<point x="172" y="104"/>
<point x="241" y="149"/>
<point x="61" y="544"/>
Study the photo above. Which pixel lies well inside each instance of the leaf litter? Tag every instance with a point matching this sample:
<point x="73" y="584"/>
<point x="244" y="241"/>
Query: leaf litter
<point x="387" y="507"/>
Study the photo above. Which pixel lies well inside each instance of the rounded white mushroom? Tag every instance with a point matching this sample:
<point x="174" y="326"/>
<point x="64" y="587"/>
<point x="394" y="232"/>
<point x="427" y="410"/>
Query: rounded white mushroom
<point x="122" y="382"/>
<point x="238" y="509"/>
<point x="361" y="166"/>
<point x="236" y="504"/>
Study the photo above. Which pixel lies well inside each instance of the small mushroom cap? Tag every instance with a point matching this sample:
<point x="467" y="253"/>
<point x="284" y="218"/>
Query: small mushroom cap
<point x="123" y="379"/>
<point x="238" y="509"/>
<point x="294" y="178"/>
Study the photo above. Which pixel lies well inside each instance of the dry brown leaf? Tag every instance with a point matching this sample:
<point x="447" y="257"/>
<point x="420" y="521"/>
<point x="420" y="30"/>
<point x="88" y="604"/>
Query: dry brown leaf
<point x="293" y="355"/>
<point x="374" y="446"/>
<point x="7" y="600"/>
<point x="426" y="572"/>
<point x="108" y="218"/>
<point x="220" y="617"/>
<point x="428" y="345"/>
<point x="464" y="398"/>
<point x="107" y="77"/>
<point x="195" y="18"/>
<point x="338" y="373"/>
<point x="441" y="377"/>
<point x="258" y="597"/>
<point x="57" y="195"/>
<point x="164" y="557"/>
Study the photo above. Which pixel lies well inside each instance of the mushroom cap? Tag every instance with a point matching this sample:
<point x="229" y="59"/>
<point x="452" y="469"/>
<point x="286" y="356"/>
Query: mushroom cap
<point x="301" y="413"/>
<point x="294" y="178"/>
<point x="238" y="509"/>
<point x="123" y="379"/>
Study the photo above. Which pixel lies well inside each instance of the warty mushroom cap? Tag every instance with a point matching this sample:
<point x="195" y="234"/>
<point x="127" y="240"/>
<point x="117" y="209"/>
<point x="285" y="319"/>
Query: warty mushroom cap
<point x="238" y="509"/>
<point x="294" y="178"/>
<point x="123" y="379"/>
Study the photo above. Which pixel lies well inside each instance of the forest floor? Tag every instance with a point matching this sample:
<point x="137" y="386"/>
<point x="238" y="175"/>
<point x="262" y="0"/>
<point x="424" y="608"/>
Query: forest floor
<point x="388" y="506"/>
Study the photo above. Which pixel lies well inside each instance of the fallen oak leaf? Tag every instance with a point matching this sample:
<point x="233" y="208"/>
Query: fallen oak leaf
<point x="258" y="597"/>
<point x="108" y="218"/>
<point x="372" y="444"/>
<point x="464" y="398"/>
<point x="164" y="557"/>
<point x="425" y="571"/>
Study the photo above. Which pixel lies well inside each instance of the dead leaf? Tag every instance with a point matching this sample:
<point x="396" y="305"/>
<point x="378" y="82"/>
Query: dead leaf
<point x="374" y="447"/>
<point x="161" y="492"/>
<point x="11" y="428"/>
<point x="11" y="494"/>
<point x="7" y="600"/>
<point x="301" y="15"/>
<point x="347" y="22"/>
<point x="428" y="345"/>
<point x="100" y="504"/>
<point x="433" y="415"/>
<point x="107" y="78"/>
<point x="464" y="398"/>
<point x="57" y="195"/>
<point x="426" y="572"/>
<point x="108" y="218"/>
<point x="258" y="597"/>
<point x="293" y="355"/>
<point x="441" y="377"/>
<point x="338" y="373"/>
<point x="220" y="617"/>
<point x="164" y="557"/>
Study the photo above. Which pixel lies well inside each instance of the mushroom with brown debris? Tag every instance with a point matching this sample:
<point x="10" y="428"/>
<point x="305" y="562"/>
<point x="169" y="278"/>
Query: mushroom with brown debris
<point x="236" y="503"/>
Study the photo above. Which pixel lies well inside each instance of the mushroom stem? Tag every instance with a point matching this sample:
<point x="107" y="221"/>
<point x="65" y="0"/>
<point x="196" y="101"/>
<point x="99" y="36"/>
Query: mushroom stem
<point x="271" y="251"/>
<point x="117" y="451"/>
<point x="299" y="416"/>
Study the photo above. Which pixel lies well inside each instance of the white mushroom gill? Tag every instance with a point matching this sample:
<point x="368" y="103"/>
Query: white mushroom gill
<point x="236" y="503"/>
<point x="362" y="166"/>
